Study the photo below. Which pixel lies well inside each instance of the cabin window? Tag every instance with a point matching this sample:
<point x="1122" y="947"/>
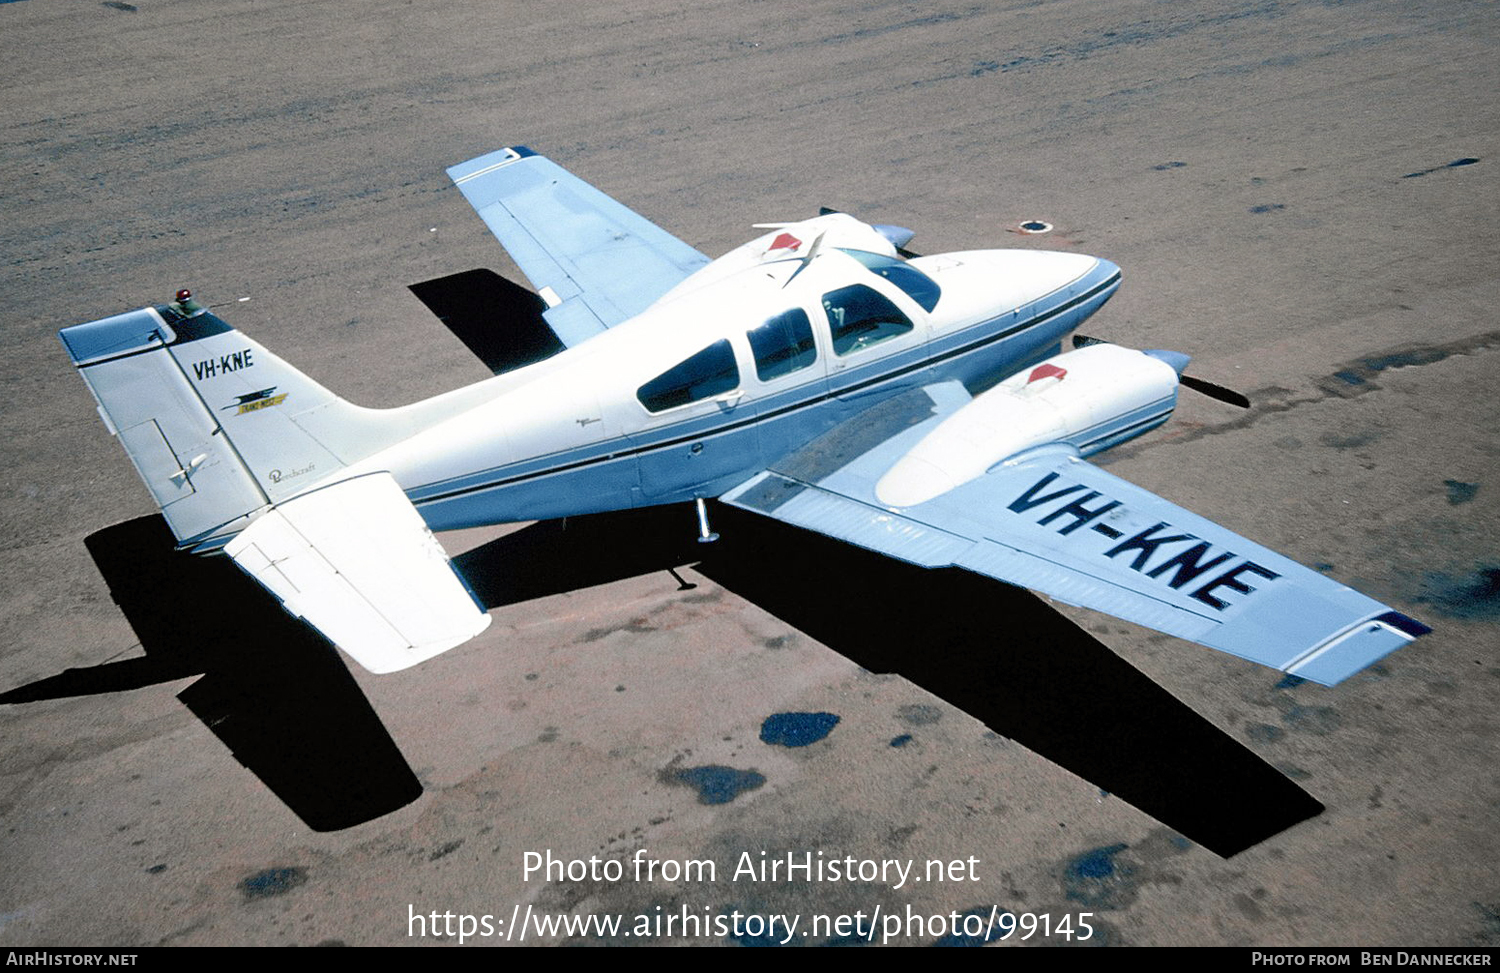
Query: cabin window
<point x="859" y="317"/>
<point x="710" y="372"/>
<point x="783" y="345"/>
<point x="918" y="286"/>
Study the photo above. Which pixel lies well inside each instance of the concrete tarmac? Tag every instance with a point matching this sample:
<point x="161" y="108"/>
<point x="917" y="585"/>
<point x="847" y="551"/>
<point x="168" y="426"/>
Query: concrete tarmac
<point x="1303" y="196"/>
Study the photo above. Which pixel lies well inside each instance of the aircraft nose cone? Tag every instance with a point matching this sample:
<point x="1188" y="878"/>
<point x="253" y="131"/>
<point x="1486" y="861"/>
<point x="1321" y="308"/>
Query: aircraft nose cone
<point x="1081" y="270"/>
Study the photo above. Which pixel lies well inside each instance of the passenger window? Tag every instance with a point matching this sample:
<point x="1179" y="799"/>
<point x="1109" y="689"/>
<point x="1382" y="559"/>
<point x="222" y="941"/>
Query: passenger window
<point x="710" y="372"/>
<point x="860" y="317"/>
<point x="783" y="345"/>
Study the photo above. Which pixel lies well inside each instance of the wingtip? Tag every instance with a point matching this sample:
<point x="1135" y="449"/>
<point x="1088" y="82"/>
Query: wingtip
<point x="1356" y="648"/>
<point x="1404" y="623"/>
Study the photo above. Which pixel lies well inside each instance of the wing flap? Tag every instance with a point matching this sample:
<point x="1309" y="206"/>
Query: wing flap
<point x="1059" y="525"/>
<point x="358" y="563"/>
<point x="602" y="262"/>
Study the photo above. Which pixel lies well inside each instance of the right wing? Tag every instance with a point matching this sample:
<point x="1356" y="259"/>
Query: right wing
<point x="1057" y="524"/>
<point x="594" y="261"/>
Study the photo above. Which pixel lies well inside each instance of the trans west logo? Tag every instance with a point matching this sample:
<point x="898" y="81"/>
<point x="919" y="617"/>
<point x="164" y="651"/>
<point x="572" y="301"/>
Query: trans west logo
<point x="1179" y="560"/>
<point x="223" y="365"/>
<point x="256" y="400"/>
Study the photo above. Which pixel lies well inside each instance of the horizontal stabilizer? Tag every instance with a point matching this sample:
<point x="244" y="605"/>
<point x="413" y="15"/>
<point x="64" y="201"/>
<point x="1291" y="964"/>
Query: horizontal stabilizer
<point x="357" y="562"/>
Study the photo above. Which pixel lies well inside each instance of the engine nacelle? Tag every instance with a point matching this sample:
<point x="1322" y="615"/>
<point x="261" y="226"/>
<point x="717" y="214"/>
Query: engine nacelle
<point x="1089" y="399"/>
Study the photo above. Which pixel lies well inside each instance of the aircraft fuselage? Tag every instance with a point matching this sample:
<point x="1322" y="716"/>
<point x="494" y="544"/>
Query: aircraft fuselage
<point x="581" y="433"/>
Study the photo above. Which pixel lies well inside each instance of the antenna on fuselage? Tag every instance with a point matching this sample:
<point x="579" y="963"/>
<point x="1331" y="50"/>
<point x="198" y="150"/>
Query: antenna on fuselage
<point x="807" y="258"/>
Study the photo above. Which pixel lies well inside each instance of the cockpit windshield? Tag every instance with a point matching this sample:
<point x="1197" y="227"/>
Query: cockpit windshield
<point x="918" y="286"/>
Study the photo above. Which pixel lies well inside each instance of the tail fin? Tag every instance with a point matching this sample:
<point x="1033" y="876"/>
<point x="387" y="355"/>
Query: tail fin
<point x="217" y="426"/>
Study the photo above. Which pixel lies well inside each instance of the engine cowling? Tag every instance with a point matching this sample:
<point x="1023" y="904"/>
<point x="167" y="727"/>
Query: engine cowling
<point x="1089" y="400"/>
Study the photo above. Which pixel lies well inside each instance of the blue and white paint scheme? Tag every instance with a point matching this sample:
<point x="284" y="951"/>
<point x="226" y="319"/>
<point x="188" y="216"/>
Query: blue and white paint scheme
<point x="918" y="406"/>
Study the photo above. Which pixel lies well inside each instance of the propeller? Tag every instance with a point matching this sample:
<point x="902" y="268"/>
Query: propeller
<point x="1213" y="391"/>
<point x="1179" y="361"/>
<point x="899" y="236"/>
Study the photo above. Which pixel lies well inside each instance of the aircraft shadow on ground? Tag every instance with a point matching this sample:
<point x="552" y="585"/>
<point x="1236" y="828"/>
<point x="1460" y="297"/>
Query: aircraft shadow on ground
<point x="995" y="651"/>
<point x="279" y="696"/>
<point x="556" y="556"/>
<point x="1005" y="657"/>
<point x="499" y="321"/>
<point x="273" y="690"/>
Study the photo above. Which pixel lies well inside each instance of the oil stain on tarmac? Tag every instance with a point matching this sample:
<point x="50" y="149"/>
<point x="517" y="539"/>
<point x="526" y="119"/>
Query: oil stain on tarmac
<point x="715" y="783"/>
<point x="1095" y="878"/>
<point x="797" y="729"/>
<point x="1475" y="596"/>
<point x="272" y="882"/>
<point x="1460" y="492"/>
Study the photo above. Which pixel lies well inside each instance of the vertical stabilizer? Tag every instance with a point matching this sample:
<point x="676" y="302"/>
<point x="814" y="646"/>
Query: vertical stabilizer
<point x="217" y="426"/>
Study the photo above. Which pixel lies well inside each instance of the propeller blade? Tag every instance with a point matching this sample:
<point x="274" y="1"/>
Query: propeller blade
<point x="1215" y="391"/>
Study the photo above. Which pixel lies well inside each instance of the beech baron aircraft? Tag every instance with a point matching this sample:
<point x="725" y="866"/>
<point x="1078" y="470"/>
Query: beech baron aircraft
<point x="820" y="374"/>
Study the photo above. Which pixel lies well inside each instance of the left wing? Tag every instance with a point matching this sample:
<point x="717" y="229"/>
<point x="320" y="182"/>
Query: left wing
<point x="1057" y="524"/>
<point x="594" y="261"/>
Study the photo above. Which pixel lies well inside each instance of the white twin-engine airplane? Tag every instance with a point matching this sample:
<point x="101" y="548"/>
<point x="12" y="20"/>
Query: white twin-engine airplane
<point x="819" y="374"/>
